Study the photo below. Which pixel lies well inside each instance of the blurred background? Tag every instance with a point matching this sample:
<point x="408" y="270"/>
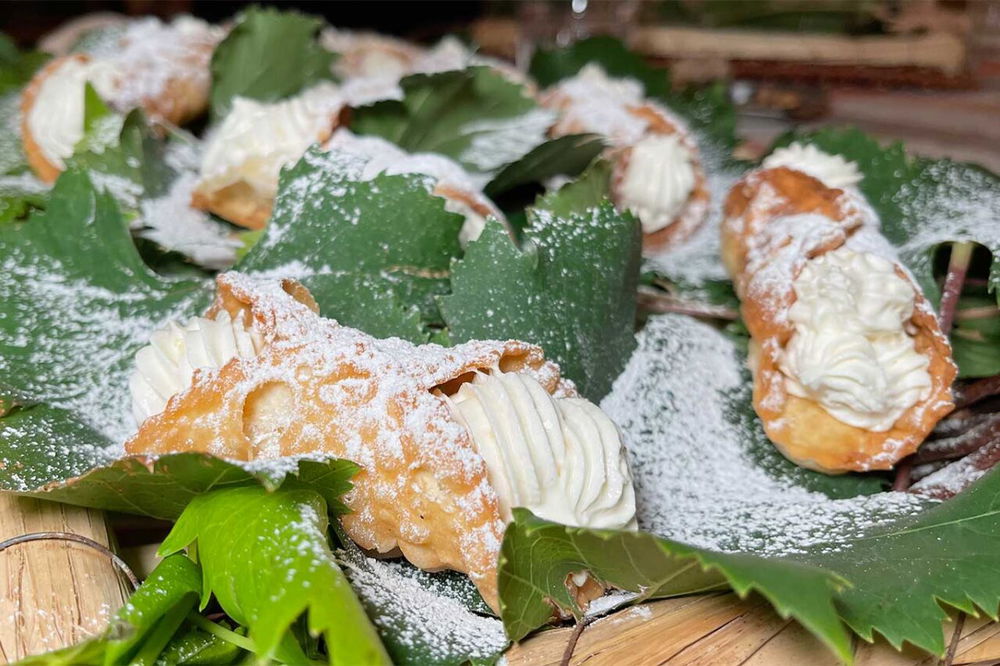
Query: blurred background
<point x="924" y="71"/>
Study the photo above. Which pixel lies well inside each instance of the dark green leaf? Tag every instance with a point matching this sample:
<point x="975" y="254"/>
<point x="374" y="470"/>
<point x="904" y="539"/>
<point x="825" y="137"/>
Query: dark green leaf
<point x="570" y="288"/>
<point x="17" y="67"/>
<point x="899" y="574"/>
<point x="76" y="302"/>
<point x="265" y="557"/>
<point x="475" y="116"/>
<point x="383" y="234"/>
<point x="565" y="156"/>
<point x="269" y="55"/>
<point x="537" y="556"/>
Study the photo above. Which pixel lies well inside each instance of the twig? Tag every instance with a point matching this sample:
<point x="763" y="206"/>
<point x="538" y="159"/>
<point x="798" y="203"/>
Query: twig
<point x="573" y="638"/>
<point x="959" y="475"/>
<point x="977" y="390"/>
<point x="902" y="480"/>
<point x="949" y="657"/>
<point x="958" y="266"/>
<point x="963" y="444"/>
<point x="76" y="538"/>
<point x="662" y="303"/>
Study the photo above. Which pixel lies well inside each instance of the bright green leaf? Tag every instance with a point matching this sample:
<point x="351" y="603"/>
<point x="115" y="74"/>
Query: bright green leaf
<point x="265" y="557"/>
<point x="268" y="55"/>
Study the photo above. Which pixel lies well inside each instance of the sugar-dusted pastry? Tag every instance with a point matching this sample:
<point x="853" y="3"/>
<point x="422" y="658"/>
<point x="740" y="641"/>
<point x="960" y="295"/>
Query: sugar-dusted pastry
<point x="448" y="439"/>
<point x="368" y="54"/>
<point x="657" y="166"/>
<point x="452" y="182"/>
<point x="161" y="68"/>
<point x="243" y="156"/>
<point x="851" y="369"/>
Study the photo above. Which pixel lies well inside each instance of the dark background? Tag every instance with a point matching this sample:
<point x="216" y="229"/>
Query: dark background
<point x="419" y="19"/>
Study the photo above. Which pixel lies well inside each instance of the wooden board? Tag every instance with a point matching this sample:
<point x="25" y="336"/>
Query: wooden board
<point x="721" y="629"/>
<point x="53" y="593"/>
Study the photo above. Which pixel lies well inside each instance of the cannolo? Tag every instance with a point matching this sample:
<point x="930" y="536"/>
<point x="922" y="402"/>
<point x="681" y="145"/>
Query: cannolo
<point x="851" y="369"/>
<point x="243" y="156"/>
<point x="448" y="440"/>
<point x="160" y="68"/>
<point x="657" y="171"/>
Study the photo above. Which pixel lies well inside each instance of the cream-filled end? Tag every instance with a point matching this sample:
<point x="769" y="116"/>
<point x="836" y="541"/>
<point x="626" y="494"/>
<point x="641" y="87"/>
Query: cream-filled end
<point x="831" y="170"/>
<point x="853" y="348"/>
<point x="166" y="366"/>
<point x="256" y="139"/>
<point x="562" y="458"/>
<point x="658" y="180"/>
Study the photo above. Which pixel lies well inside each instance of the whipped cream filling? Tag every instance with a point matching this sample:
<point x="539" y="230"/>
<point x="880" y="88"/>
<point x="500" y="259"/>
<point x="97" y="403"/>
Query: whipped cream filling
<point x="659" y="178"/>
<point x="852" y="350"/>
<point x="831" y="170"/>
<point x="256" y="139"/>
<point x="562" y="458"/>
<point x="600" y="104"/>
<point x="166" y="366"/>
<point x="56" y="116"/>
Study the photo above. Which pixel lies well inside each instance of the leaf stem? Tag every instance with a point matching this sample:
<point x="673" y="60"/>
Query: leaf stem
<point x="219" y="631"/>
<point x="949" y="657"/>
<point x="901" y="482"/>
<point x="573" y="638"/>
<point x="958" y="266"/>
<point x="660" y="303"/>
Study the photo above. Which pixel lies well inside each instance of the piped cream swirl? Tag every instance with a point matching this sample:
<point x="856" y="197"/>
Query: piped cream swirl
<point x="851" y="350"/>
<point x="166" y="366"/>
<point x="658" y="180"/>
<point x="562" y="458"/>
<point x="257" y="138"/>
<point x="831" y="170"/>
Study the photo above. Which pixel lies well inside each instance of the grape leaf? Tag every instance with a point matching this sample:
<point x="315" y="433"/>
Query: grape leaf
<point x="268" y="55"/>
<point x="265" y="557"/>
<point x="335" y="230"/>
<point x="565" y="156"/>
<point x="569" y="288"/>
<point x="537" y="556"/>
<point x="975" y="340"/>
<point x="142" y="627"/>
<point x="12" y="157"/>
<point x="76" y="302"/>
<point x="901" y="573"/>
<point x="16" y="66"/>
<point x="475" y="116"/>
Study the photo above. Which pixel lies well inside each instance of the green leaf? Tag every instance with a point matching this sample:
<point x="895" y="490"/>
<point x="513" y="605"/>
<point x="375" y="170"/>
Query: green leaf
<point x="17" y="67"/>
<point x="975" y="341"/>
<point x="197" y="647"/>
<point x="122" y="156"/>
<point x="12" y="157"/>
<point x="570" y="288"/>
<point x="268" y="55"/>
<point x="332" y="228"/>
<point x="76" y="302"/>
<point x="475" y="116"/>
<point x="537" y="556"/>
<point x="566" y="156"/>
<point x="266" y="559"/>
<point x="899" y="574"/>
<point x="20" y="196"/>
<point x="424" y="618"/>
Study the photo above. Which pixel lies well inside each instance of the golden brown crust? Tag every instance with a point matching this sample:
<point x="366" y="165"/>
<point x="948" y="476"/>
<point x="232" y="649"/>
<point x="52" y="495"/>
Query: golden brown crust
<point x="46" y="171"/>
<point x="802" y="429"/>
<point x="238" y="203"/>
<point x="421" y="487"/>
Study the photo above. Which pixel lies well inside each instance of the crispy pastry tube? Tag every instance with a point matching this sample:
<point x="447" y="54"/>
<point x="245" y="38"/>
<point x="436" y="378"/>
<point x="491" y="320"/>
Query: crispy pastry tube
<point x="778" y="223"/>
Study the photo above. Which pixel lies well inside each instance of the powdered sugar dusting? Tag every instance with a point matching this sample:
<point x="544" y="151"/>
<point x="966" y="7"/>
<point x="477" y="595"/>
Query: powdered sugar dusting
<point x="420" y="618"/>
<point x="678" y="404"/>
